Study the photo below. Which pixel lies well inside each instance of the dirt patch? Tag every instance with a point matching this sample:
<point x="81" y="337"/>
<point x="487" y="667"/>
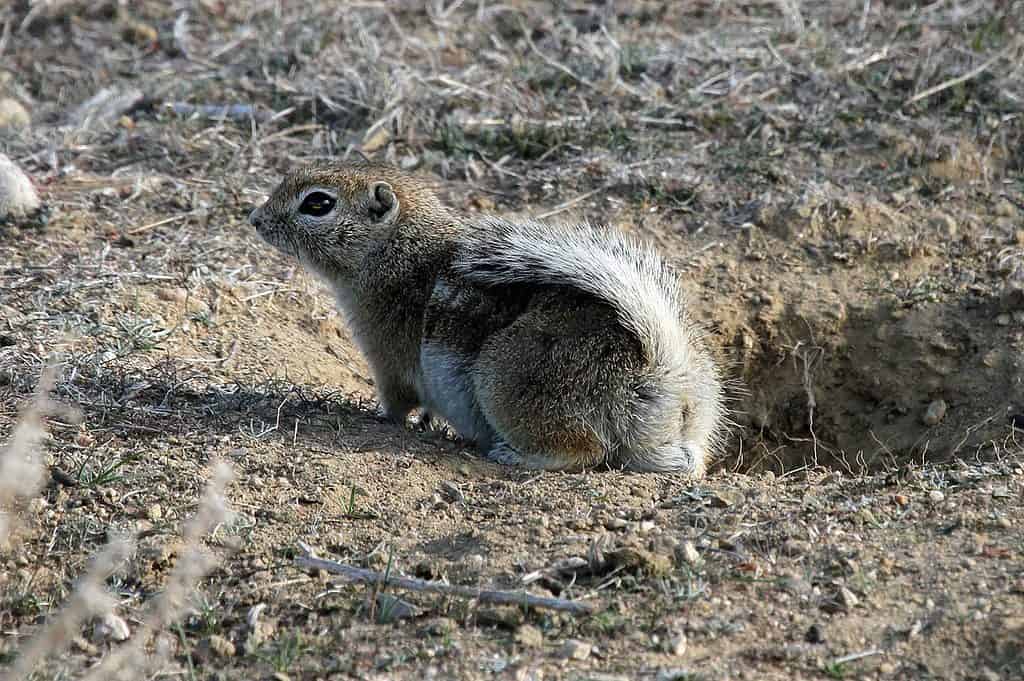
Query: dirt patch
<point x="840" y="186"/>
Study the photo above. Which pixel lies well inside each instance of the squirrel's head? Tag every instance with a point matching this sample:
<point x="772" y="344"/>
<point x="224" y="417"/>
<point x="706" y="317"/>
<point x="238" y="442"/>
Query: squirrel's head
<point x="329" y="215"/>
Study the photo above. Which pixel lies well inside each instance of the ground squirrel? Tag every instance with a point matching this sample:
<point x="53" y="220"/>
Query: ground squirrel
<point x="557" y="346"/>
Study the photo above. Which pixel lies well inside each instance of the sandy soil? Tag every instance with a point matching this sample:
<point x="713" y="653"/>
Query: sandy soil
<point x="841" y="188"/>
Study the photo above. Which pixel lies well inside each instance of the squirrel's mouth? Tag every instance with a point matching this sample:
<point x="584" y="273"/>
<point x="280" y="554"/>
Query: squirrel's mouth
<point x="279" y="240"/>
<point x="270" y="234"/>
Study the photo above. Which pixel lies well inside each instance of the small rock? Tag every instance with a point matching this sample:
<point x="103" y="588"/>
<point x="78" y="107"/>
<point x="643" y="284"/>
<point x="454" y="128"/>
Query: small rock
<point x="221" y="646"/>
<point x="575" y="650"/>
<point x="139" y="34"/>
<point x="901" y="499"/>
<point x="18" y="197"/>
<point x="945" y="224"/>
<point x="451" y="492"/>
<point x="815" y="635"/>
<point x="615" y="524"/>
<point x="843" y="600"/>
<point x="795" y="584"/>
<point x="690" y="553"/>
<point x="673" y="674"/>
<point x="504" y="616"/>
<point x="1005" y="208"/>
<point x="1003" y="319"/>
<point x="847" y="598"/>
<point x="676" y="644"/>
<point x="795" y="547"/>
<point x="441" y="626"/>
<point x="723" y="499"/>
<point x="1012" y="297"/>
<point x="155" y="512"/>
<point x="172" y="294"/>
<point x="935" y="412"/>
<point x="936" y="497"/>
<point x="529" y="636"/>
<point x="13" y="116"/>
<point x="111" y="628"/>
<point x="1013" y="624"/>
<point x="84" y="646"/>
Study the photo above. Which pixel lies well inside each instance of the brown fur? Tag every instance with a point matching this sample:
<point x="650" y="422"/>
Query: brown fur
<point x="537" y="372"/>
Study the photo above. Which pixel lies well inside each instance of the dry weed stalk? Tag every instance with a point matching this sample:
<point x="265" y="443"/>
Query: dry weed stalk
<point x="21" y="468"/>
<point x="22" y="474"/>
<point x="130" y="661"/>
<point x="90" y="599"/>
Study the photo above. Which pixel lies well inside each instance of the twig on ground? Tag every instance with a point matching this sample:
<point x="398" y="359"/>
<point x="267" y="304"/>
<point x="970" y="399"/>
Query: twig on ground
<point x="238" y="112"/>
<point x="973" y="73"/>
<point x="374" y="577"/>
<point x="852" y="657"/>
<point x="158" y="223"/>
<point x="570" y="203"/>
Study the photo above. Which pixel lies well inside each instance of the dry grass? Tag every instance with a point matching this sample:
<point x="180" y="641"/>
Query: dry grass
<point x="707" y="127"/>
<point x="22" y="475"/>
<point x="22" y="472"/>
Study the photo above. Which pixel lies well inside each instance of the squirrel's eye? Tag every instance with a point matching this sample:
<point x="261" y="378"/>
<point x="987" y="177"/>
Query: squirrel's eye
<point x="317" y="204"/>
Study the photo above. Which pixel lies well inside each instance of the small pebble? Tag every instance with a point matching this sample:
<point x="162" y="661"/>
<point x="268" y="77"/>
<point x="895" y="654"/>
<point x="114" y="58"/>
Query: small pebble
<point x="18" y="197"/>
<point x="575" y="650"/>
<point x="847" y="599"/>
<point x="221" y="646"/>
<point x="111" y="628"/>
<point x="171" y="294"/>
<point x="1005" y="208"/>
<point x="13" y="116"/>
<point x="795" y="547"/>
<point x="690" y="553"/>
<point x="529" y="636"/>
<point x="676" y="644"/>
<point x="945" y="224"/>
<point x="935" y="412"/>
<point x="155" y="512"/>
<point x="936" y="497"/>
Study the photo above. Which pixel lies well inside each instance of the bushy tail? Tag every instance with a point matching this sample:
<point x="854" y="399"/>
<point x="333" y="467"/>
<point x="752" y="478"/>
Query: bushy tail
<point x="630" y="276"/>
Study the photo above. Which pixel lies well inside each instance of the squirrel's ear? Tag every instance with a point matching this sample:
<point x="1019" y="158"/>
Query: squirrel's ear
<point x="382" y="204"/>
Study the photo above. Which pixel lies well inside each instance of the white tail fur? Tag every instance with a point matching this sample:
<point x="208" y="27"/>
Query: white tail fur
<point x="629" y="275"/>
